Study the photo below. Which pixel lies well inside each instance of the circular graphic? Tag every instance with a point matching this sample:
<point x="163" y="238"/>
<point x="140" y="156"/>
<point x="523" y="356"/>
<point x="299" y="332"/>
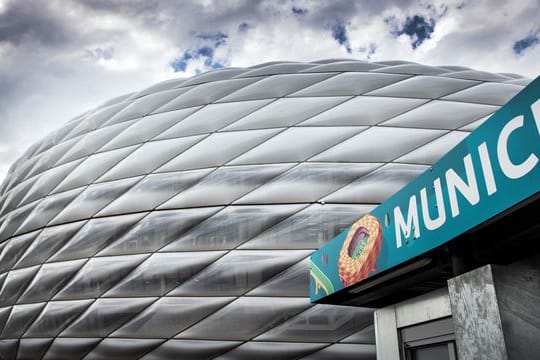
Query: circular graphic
<point x="360" y="250"/>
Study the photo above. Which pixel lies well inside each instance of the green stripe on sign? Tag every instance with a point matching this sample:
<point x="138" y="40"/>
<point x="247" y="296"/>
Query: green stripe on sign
<point x="320" y="279"/>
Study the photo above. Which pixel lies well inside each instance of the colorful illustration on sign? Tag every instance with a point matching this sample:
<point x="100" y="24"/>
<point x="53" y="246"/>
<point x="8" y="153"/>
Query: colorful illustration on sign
<point x="360" y="250"/>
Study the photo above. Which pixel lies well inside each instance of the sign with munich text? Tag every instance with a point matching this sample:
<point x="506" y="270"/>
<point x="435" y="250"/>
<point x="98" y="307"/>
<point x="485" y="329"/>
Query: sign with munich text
<point x="494" y="168"/>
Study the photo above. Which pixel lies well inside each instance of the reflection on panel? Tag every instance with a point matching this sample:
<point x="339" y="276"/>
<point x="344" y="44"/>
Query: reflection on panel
<point x="379" y="144"/>
<point x="47" y="209"/>
<point x="93" y="167"/>
<point x="306" y="182"/>
<point x="105" y="316"/>
<point x="363" y="110"/>
<point x="344" y="352"/>
<point x="146" y="128"/>
<point x="238" y="272"/>
<point x="49" y="180"/>
<point x="350" y="83"/>
<point x="413" y="68"/>
<point x="152" y="191"/>
<point x="148" y="157"/>
<point x="223" y="186"/>
<point x="70" y="348"/>
<point x="211" y="117"/>
<point x="32" y="348"/>
<point x="161" y="272"/>
<point x="276" y="68"/>
<point x="244" y="318"/>
<point x="321" y="323"/>
<point x="47" y="243"/>
<point x="310" y="228"/>
<point x="214" y="75"/>
<point x="295" y="144"/>
<point x="379" y="185"/>
<point x="20" y="318"/>
<point x="14" y="249"/>
<point x="144" y="105"/>
<point x="364" y="336"/>
<point x="487" y="93"/>
<point x="49" y="279"/>
<point x="95" y="235"/>
<point x="426" y="87"/>
<point x="271" y="350"/>
<point x="441" y="115"/>
<point x="122" y="349"/>
<point x="189" y="349"/>
<point x="206" y="93"/>
<point x="55" y="317"/>
<point x="13" y="220"/>
<point x="433" y="151"/>
<point x="344" y="65"/>
<point x="168" y="316"/>
<point x="4" y="314"/>
<point x="96" y="118"/>
<point x="217" y="149"/>
<point x="91" y="142"/>
<point x="276" y="86"/>
<point x="8" y="348"/>
<point x="298" y="109"/>
<point x="157" y="229"/>
<point x="92" y="199"/>
<point x="293" y="281"/>
<point x="97" y="276"/>
<point x="15" y="283"/>
<point x="231" y="227"/>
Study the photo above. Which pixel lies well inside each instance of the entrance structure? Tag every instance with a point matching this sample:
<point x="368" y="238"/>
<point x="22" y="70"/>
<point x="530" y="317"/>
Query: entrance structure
<point x="468" y="226"/>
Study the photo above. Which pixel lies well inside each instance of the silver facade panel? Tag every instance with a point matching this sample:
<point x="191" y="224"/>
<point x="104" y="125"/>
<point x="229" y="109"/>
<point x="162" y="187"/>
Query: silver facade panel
<point x="176" y="222"/>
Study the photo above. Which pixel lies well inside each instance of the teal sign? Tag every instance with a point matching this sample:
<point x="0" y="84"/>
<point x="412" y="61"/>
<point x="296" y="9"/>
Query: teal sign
<point x="494" y="168"/>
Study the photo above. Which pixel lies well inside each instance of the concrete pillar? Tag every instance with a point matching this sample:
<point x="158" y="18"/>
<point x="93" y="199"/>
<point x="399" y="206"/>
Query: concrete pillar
<point x="496" y="311"/>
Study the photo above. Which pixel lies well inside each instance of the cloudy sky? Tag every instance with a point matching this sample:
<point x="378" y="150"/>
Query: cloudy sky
<point x="59" y="58"/>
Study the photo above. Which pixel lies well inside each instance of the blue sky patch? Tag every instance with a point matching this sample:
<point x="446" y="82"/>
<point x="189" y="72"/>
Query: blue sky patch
<point x="243" y="27"/>
<point x="299" y="11"/>
<point x="529" y="41"/>
<point x="417" y="27"/>
<point x="339" y="33"/>
<point x="180" y="64"/>
<point x="204" y="52"/>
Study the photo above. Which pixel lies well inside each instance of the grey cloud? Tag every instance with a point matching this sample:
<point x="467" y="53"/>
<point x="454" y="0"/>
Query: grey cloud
<point x="24" y="21"/>
<point x="106" y="53"/>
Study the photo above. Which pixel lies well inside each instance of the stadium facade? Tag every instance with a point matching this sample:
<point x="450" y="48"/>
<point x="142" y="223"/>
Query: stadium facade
<point x="177" y="222"/>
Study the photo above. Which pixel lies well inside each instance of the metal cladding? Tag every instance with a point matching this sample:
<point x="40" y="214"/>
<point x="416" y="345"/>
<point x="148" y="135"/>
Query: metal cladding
<point x="176" y="222"/>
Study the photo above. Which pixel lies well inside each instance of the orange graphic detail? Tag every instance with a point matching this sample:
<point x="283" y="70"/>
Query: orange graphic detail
<point x="360" y="250"/>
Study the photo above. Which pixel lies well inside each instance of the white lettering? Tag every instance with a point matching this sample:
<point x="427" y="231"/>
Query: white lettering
<point x="469" y="191"/>
<point x="464" y="183"/>
<point x="487" y="169"/>
<point x="511" y="170"/>
<point x="536" y="113"/>
<point x="432" y="224"/>
<point x="411" y="226"/>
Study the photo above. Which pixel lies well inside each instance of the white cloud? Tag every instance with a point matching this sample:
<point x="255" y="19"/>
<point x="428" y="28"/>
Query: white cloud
<point x="61" y="58"/>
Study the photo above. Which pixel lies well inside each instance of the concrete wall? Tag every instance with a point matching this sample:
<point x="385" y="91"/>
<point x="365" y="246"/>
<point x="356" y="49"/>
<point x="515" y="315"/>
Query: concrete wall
<point x="496" y="311"/>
